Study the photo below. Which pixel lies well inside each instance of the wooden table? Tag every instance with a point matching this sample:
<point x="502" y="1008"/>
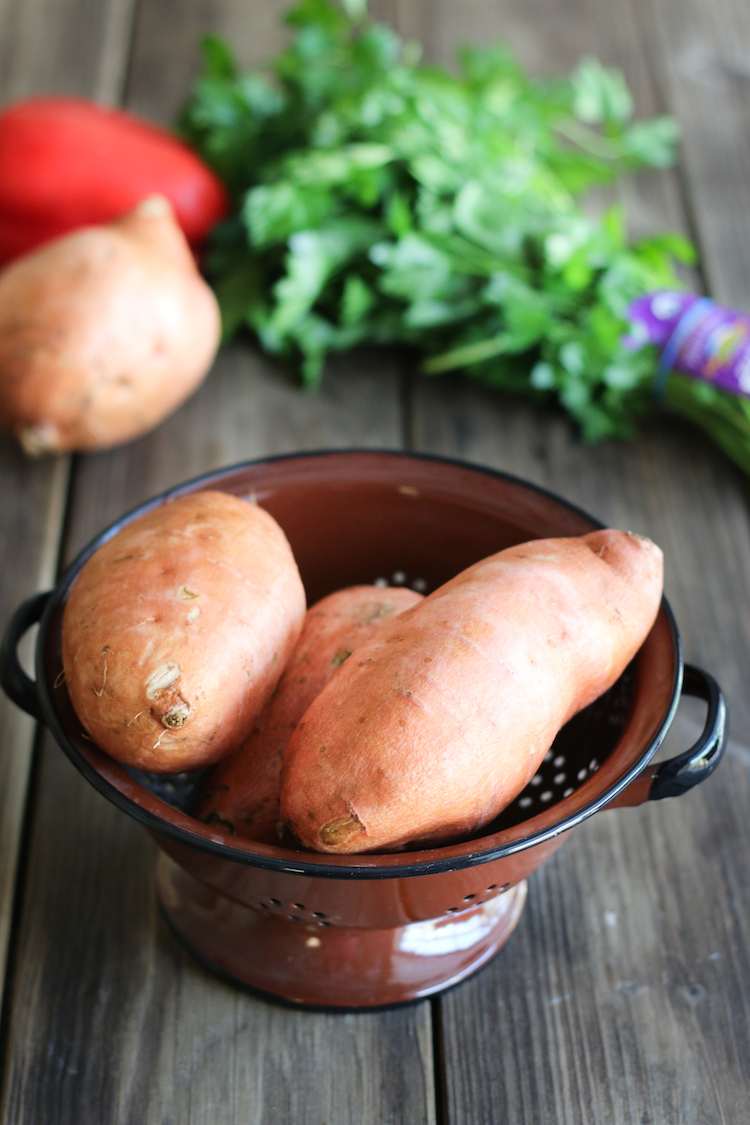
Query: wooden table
<point x="624" y="996"/>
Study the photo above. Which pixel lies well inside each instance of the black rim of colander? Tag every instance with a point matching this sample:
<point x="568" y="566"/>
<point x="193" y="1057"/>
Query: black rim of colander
<point x="290" y="863"/>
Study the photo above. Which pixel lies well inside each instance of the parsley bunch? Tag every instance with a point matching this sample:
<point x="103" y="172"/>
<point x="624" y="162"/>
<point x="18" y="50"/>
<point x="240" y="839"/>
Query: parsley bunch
<point x="380" y="201"/>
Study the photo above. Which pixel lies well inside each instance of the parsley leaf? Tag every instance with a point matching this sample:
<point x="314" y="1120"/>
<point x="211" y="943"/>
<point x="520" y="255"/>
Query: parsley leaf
<point x="380" y="201"/>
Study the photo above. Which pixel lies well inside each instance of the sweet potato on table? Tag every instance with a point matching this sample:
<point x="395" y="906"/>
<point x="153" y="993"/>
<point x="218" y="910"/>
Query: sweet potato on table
<point x="439" y="721"/>
<point x="103" y="333"/>
<point x="242" y="792"/>
<point x="177" y="629"/>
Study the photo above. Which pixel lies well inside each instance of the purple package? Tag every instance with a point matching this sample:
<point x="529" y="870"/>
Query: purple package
<point x="697" y="338"/>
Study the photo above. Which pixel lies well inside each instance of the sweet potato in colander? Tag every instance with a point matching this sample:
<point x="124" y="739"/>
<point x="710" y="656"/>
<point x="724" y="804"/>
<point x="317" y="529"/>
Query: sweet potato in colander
<point x="439" y="721"/>
<point x="241" y="793"/>
<point x="178" y="628"/>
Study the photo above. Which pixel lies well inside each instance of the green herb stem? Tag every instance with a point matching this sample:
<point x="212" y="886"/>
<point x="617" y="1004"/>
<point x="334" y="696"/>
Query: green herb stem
<point x="382" y="202"/>
<point x="466" y="356"/>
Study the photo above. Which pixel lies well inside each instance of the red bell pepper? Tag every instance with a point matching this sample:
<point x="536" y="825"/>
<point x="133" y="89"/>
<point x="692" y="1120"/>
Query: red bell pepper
<point x="67" y="163"/>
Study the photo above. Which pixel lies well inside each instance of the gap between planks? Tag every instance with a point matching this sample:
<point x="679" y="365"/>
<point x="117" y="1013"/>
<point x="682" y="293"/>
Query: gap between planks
<point x="20" y="728"/>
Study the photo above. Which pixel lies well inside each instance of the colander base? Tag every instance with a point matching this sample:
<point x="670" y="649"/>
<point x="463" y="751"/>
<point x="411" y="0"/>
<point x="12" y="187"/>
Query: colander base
<point x="335" y="966"/>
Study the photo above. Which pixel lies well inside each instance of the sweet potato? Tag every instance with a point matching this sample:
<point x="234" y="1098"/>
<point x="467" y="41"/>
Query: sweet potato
<point x="103" y="333"/>
<point x="242" y="792"/>
<point x="177" y="629"/>
<point x="440" y="720"/>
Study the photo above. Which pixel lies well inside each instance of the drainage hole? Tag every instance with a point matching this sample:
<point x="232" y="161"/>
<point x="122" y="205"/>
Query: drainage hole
<point x="298" y="906"/>
<point x="318" y="914"/>
<point x="275" y="901"/>
<point x="468" y="898"/>
<point x="491" y="887"/>
<point x="452" y="910"/>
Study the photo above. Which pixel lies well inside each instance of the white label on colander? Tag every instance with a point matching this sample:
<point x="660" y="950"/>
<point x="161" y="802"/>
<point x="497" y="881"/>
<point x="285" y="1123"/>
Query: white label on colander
<point x="433" y="939"/>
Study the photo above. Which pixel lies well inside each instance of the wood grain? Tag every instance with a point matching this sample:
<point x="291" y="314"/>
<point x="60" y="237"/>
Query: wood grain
<point x="700" y="54"/>
<point x="54" y="47"/>
<point x="64" y="47"/>
<point x="623" y="994"/>
<point x="163" y="68"/>
<point x="96" y="963"/>
<point x="32" y="504"/>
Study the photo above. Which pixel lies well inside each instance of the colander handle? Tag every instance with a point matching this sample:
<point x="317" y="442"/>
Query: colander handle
<point x="15" y="683"/>
<point x="675" y="776"/>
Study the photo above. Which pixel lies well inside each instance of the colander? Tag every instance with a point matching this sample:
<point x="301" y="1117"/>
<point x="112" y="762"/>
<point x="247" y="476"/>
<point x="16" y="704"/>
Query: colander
<point x="362" y="931"/>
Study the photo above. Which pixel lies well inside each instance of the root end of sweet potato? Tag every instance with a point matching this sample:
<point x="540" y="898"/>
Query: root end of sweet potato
<point x="37" y="440"/>
<point x="176" y="716"/>
<point x="339" y="830"/>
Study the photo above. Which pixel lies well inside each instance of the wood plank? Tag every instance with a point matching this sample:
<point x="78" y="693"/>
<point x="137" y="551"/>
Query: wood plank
<point x="700" y="55"/>
<point x="65" y="47"/>
<point x="32" y="504"/>
<point x="95" y="961"/>
<point x="54" y="47"/>
<point x="162" y="70"/>
<point x="623" y="996"/>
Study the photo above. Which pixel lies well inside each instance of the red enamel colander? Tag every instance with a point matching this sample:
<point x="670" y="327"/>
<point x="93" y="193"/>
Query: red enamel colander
<point x="361" y="931"/>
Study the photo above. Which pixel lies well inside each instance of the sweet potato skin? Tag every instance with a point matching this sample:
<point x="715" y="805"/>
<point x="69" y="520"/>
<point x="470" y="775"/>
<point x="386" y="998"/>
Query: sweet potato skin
<point x="438" y="722"/>
<point x="103" y="333"/>
<point x="177" y="629"/>
<point x="242" y="792"/>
